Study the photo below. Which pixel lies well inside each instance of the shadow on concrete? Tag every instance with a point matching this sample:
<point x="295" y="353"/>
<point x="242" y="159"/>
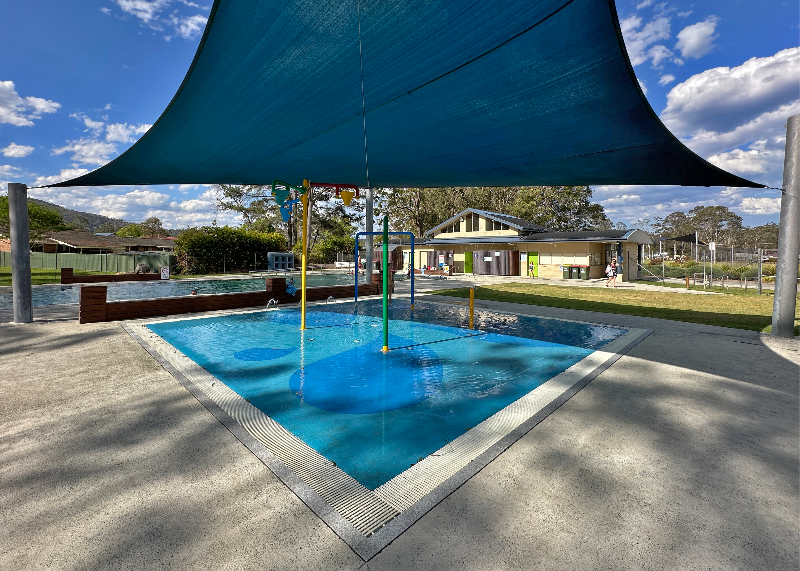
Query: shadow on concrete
<point x="682" y="455"/>
<point x="106" y="462"/>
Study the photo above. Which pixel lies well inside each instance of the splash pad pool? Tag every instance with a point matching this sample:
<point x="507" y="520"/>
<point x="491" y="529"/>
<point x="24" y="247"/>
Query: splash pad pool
<point x="374" y="435"/>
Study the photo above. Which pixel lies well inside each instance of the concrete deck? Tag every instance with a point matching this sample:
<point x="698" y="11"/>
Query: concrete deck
<point x="682" y="455"/>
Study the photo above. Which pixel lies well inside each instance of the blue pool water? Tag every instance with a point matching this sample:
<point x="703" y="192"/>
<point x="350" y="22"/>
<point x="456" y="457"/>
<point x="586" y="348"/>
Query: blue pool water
<point x="375" y="414"/>
<point x="68" y="294"/>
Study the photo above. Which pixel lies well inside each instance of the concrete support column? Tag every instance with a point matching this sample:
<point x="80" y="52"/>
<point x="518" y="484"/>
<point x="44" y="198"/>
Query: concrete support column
<point x="20" y="253"/>
<point x="788" y="236"/>
<point x="369" y="228"/>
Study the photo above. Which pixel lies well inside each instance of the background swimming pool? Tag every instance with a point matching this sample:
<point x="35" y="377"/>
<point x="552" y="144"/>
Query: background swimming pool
<point x="68" y="294"/>
<point x="371" y="413"/>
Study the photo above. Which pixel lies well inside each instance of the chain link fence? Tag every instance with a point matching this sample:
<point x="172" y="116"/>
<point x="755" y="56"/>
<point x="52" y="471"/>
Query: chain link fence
<point x="722" y="267"/>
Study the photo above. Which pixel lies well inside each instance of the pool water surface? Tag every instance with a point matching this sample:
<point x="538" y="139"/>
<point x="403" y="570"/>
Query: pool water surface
<point x="375" y="414"/>
<point x="55" y="294"/>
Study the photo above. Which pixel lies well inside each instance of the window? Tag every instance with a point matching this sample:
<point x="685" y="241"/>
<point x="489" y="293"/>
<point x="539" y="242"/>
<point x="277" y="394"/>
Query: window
<point x="496" y="225"/>
<point x="472" y="223"/>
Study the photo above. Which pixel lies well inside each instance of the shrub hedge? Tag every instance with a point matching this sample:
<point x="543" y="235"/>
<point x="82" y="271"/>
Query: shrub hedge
<point x="212" y="249"/>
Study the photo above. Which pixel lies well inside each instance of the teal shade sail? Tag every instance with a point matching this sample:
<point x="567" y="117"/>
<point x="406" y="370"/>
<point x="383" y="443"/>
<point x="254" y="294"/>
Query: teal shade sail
<point x="456" y="93"/>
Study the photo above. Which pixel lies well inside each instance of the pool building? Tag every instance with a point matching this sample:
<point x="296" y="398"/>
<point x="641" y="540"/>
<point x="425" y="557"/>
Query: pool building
<point x="489" y="243"/>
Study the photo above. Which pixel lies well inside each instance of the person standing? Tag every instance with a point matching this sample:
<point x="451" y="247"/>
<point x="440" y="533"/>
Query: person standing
<point x="611" y="272"/>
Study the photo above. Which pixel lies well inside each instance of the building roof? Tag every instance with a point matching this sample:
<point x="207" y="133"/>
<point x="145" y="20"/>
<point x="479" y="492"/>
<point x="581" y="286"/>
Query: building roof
<point x="511" y="221"/>
<point x="78" y="239"/>
<point x="632" y="235"/>
<point x="487" y="93"/>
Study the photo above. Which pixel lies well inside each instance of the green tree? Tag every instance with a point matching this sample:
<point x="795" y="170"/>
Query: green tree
<point x="150" y="228"/>
<point x="559" y="208"/>
<point x="130" y="231"/>
<point x="153" y="228"/>
<point x="715" y="223"/>
<point x="41" y="220"/>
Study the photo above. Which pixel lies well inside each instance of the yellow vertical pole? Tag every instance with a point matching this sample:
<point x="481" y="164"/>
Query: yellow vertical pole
<point x="305" y="199"/>
<point x="471" y="307"/>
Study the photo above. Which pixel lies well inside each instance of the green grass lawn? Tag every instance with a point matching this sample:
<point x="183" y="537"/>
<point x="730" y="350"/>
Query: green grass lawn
<point x="50" y="276"/>
<point x="41" y="276"/>
<point x="733" y="289"/>
<point x="740" y="309"/>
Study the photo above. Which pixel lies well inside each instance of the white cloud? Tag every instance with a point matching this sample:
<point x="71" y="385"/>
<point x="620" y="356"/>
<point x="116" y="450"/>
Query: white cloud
<point x="95" y="126"/>
<point x="145" y="10"/>
<point x="640" y="41"/>
<point x="188" y="27"/>
<point x="17" y="151"/>
<point x="124" y="133"/>
<point x="139" y="203"/>
<point x="8" y="171"/>
<point x="767" y="131"/>
<point x="643" y="4"/>
<point x="760" y="205"/>
<point x="622" y="199"/>
<point x="657" y="54"/>
<point x="105" y="10"/>
<point x="743" y="162"/>
<point x="88" y="151"/>
<point x="722" y="98"/>
<point x="65" y="174"/>
<point x="19" y="111"/>
<point x="696" y="40"/>
<point x="685" y="14"/>
<point x="643" y="86"/>
<point x="666" y="79"/>
<point x="152" y="13"/>
<point x="637" y="40"/>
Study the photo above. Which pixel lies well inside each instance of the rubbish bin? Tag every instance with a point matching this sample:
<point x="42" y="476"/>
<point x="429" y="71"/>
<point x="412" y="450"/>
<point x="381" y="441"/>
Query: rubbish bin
<point x="584" y="272"/>
<point x="575" y="272"/>
<point x="566" y="269"/>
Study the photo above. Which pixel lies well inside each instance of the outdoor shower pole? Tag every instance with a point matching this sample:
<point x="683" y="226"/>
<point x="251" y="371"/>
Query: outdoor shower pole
<point x="788" y="236"/>
<point x="20" y="253"/>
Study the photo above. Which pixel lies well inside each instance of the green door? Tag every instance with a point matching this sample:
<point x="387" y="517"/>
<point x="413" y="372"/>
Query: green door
<point x="533" y="258"/>
<point x="467" y="262"/>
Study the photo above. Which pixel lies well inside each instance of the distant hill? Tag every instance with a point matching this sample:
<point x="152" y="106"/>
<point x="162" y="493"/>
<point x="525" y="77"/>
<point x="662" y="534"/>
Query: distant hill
<point x="85" y="220"/>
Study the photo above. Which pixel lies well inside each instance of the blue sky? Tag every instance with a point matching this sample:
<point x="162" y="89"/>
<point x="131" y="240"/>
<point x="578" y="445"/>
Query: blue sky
<point x="85" y="79"/>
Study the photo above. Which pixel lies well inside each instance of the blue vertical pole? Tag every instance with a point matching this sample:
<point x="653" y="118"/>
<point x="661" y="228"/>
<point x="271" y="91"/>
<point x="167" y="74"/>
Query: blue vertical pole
<point x="385" y="284"/>
<point x="355" y="269"/>
<point x="412" y="271"/>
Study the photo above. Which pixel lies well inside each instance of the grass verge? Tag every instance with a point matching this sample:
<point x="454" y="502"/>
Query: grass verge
<point x="741" y="311"/>
<point x="41" y="276"/>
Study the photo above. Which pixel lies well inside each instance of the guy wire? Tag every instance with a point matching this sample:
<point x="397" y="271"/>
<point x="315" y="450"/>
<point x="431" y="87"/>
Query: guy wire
<point x="363" y="103"/>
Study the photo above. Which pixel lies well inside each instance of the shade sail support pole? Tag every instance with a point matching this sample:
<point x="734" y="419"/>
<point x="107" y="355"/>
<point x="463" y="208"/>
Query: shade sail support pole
<point x="788" y="236"/>
<point x="20" y="253"/>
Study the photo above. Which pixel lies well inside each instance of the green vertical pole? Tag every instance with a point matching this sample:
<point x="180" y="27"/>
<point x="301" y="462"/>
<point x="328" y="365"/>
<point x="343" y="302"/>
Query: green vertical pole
<point x="385" y="284"/>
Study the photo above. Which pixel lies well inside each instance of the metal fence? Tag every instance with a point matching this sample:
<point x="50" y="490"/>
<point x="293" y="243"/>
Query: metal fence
<point x="109" y="263"/>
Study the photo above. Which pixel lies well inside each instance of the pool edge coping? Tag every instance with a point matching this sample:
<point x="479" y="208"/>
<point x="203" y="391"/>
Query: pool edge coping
<point x="367" y="547"/>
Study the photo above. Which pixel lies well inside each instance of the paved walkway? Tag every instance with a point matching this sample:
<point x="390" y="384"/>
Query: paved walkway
<point x="682" y="455"/>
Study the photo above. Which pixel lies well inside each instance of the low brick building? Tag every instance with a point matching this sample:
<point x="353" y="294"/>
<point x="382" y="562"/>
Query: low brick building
<point x="489" y="243"/>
